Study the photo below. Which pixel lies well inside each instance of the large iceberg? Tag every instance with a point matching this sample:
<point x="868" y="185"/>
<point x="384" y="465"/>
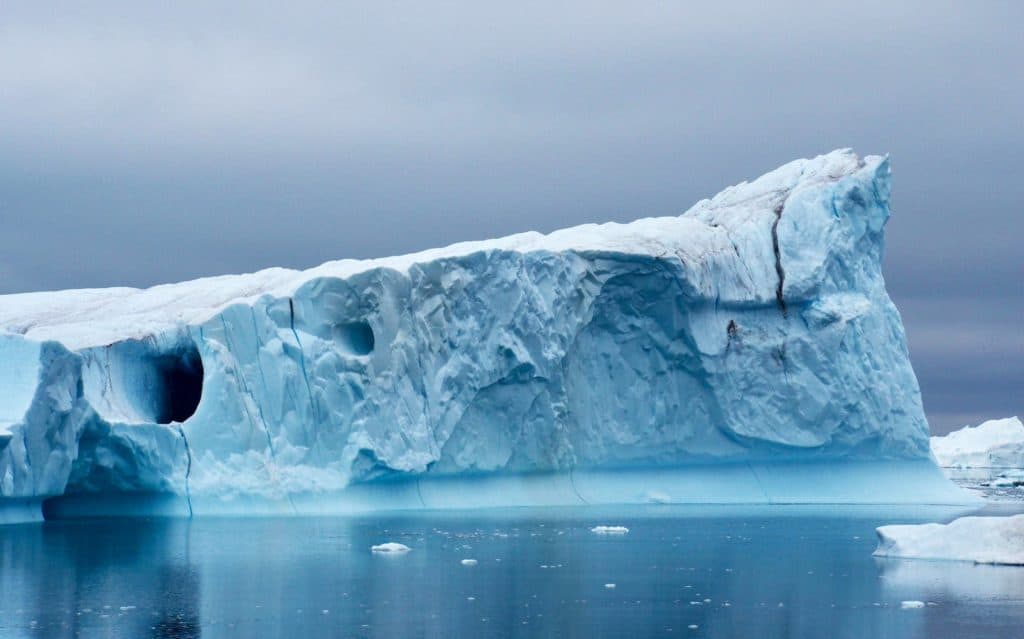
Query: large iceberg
<point x="743" y="351"/>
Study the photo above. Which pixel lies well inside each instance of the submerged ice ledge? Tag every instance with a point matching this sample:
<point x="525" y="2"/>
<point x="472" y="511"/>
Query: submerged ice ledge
<point x="869" y="483"/>
<point x="753" y="329"/>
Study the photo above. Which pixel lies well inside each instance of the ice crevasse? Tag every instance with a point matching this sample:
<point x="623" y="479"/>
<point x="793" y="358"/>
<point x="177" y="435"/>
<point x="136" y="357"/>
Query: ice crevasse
<point x="744" y="351"/>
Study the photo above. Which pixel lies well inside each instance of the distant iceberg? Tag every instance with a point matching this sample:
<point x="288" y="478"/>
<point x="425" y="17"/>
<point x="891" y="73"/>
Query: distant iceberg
<point x="984" y="540"/>
<point x="995" y="444"/>
<point x="988" y="458"/>
<point x="745" y="351"/>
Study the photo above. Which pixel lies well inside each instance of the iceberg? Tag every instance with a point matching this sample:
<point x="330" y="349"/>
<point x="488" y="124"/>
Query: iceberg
<point x="988" y="458"/>
<point x="994" y="445"/>
<point x="983" y="540"/>
<point x="744" y="351"/>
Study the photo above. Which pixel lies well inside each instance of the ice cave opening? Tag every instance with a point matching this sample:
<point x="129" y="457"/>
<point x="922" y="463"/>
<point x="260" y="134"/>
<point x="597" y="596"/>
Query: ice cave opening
<point x="178" y="387"/>
<point x="356" y="337"/>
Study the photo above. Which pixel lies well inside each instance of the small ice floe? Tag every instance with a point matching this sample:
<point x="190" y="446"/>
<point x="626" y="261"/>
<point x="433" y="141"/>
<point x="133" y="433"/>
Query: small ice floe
<point x="390" y="548"/>
<point x="610" y="586"/>
<point x="909" y="605"/>
<point x="692" y="626"/>
<point x="658" y="498"/>
<point x="609" y="530"/>
<point x="468" y="562"/>
<point x="126" y="608"/>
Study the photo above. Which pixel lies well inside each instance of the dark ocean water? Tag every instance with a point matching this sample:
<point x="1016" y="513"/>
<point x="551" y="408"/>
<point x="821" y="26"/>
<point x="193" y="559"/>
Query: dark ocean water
<point x="679" y="572"/>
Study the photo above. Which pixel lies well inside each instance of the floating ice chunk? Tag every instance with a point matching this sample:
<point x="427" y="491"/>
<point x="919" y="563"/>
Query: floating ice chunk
<point x="468" y="562"/>
<point x="390" y="548"/>
<point x="610" y="586"/>
<point x="984" y="540"/>
<point x="655" y="497"/>
<point x="609" y="530"/>
<point x="908" y="605"/>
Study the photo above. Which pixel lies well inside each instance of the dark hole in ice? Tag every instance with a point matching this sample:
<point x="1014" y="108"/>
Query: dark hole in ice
<point x="180" y="384"/>
<point x="356" y="337"/>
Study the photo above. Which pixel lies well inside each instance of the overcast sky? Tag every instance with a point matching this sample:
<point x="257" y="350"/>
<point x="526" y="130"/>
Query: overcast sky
<point x="145" y="145"/>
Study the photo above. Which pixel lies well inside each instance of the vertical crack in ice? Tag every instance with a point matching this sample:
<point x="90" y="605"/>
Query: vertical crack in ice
<point x="778" y="261"/>
<point x="263" y="379"/>
<point x="419" y="493"/>
<point x="259" y="362"/>
<point x="241" y="380"/>
<point x="108" y="389"/>
<point x="272" y="471"/>
<point x="28" y="459"/>
<point x="188" y="468"/>
<point x="572" y="482"/>
<point x="266" y="393"/>
<point x="759" y="484"/>
<point x="302" y="358"/>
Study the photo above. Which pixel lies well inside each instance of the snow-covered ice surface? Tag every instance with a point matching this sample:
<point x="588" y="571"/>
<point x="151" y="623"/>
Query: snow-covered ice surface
<point x="390" y="547"/>
<point x="988" y="458"/>
<point x="609" y="530"/>
<point x="984" y="540"/>
<point x="749" y="341"/>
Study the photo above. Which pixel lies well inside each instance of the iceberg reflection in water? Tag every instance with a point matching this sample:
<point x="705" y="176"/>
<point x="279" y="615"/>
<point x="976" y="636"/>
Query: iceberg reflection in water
<point x="780" y="571"/>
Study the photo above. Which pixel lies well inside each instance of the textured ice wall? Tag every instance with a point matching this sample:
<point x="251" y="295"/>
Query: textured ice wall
<point x="754" y="327"/>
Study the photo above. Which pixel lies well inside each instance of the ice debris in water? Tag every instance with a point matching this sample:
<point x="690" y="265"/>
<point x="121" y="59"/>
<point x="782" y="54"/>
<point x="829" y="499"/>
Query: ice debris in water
<point x="609" y="530"/>
<point x="908" y="605"/>
<point x="468" y="562"/>
<point x="609" y="586"/>
<point x="390" y="547"/>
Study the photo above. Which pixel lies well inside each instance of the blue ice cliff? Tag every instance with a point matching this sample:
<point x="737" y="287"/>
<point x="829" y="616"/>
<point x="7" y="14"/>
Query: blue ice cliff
<point x="745" y="351"/>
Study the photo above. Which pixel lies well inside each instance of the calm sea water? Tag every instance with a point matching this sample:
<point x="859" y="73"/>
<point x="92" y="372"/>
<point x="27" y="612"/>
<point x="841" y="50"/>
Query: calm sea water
<point x="679" y="572"/>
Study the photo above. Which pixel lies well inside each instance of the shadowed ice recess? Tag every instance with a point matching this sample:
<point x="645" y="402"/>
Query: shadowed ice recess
<point x="743" y="352"/>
